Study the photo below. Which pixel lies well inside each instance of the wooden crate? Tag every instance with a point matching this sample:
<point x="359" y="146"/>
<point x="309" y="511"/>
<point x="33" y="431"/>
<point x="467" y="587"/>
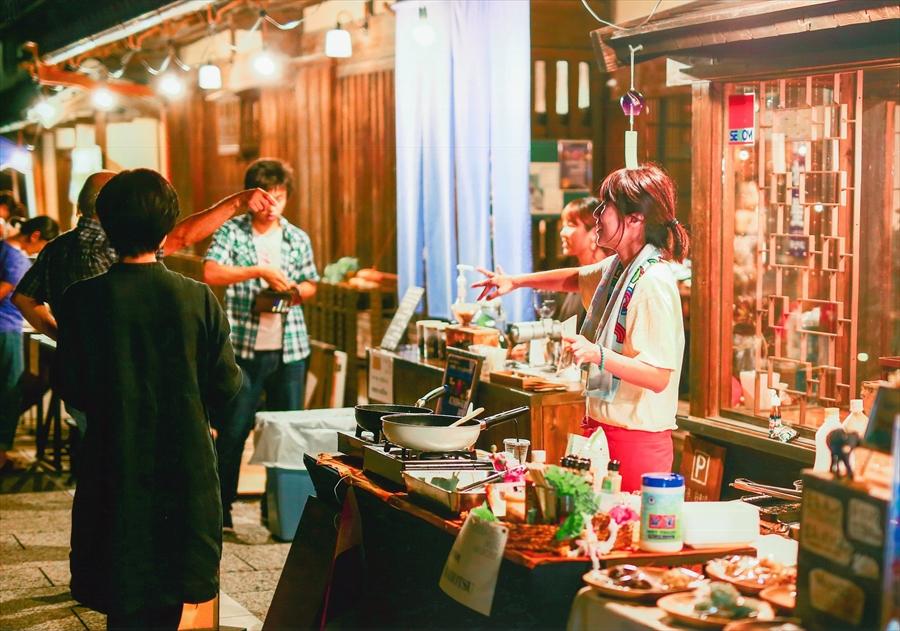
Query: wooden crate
<point x="349" y="319"/>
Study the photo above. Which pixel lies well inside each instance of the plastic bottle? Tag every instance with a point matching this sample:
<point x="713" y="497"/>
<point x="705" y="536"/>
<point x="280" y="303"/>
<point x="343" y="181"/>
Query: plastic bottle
<point x="856" y="421"/>
<point x="612" y="482"/>
<point x="462" y="285"/>
<point x="823" y="454"/>
<point x="662" y="504"/>
<point x="775" y="413"/>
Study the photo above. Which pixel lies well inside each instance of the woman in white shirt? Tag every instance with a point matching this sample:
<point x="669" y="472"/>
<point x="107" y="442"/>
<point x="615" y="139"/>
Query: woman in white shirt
<point x="632" y="341"/>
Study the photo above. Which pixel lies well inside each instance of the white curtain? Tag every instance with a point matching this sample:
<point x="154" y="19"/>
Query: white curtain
<point x="463" y="144"/>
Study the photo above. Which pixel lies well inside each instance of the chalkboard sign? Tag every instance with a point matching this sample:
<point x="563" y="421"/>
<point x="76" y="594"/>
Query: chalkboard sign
<point x="461" y="377"/>
<point x="400" y="321"/>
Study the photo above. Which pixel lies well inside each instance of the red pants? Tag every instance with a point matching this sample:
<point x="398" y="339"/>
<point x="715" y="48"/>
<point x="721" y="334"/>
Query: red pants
<point x="639" y="452"/>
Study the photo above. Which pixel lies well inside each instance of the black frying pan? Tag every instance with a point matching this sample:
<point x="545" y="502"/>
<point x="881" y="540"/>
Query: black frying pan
<point x="368" y="417"/>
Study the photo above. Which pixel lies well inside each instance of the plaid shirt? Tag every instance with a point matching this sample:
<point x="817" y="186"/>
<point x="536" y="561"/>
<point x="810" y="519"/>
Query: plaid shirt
<point x="76" y="255"/>
<point x="233" y="245"/>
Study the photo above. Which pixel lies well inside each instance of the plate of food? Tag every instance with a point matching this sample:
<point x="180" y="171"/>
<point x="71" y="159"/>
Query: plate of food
<point x="713" y="606"/>
<point x="783" y="597"/>
<point x="642" y="583"/>
<point x="749" y="574"/>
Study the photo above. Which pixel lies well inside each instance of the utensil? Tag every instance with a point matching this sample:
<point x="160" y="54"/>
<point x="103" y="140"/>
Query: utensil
<point x="784" y="597"/>
<point x="494" y="477"/>
<point x="368" y="417"/>
<point x="432" y="432"/>
<point x="469" y="415"/>
<point x="715" y="569"/>
<point x="681" y="608"/>
<point x="602" y="583"/>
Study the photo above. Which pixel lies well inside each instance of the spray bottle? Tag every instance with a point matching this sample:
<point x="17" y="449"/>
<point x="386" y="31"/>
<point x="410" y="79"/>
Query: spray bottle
<point x="823" y="453"/>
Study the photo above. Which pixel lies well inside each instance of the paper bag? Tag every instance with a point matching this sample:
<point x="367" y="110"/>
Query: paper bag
<point x="470" y="574"/>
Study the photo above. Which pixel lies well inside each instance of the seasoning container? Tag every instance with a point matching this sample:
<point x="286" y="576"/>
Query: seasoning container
<point x="612" y="481"/>
<point x="856" y="421"/>
<point x="662" y="503"/>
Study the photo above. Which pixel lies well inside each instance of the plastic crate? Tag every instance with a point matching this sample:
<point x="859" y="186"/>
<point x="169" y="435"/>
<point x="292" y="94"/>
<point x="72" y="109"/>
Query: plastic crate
<point x="286" y="493"/>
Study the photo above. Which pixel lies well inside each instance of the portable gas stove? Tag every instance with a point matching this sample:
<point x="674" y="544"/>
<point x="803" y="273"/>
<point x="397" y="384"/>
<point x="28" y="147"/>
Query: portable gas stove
<point x="352" y="444"/>
<point x="388" y="461"/>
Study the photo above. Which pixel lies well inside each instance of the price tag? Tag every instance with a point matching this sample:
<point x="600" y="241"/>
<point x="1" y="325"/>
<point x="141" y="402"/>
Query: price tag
<point x="381" y="376"/>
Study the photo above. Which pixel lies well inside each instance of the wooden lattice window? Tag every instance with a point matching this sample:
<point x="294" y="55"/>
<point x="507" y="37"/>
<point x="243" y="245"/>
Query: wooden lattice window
<point x="791" y="235"/>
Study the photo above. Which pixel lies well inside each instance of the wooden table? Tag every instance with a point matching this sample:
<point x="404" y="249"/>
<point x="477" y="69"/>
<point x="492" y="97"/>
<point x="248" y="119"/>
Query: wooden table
<point x="405" y="547"/>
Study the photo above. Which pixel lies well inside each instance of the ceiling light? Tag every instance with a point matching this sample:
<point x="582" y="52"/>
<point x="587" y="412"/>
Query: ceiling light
<point x="265" y="65"/>
<point x="337" y="43"/>
<point x="103" y="99"/>
<point x="44" y="112"/>
<point x="171" y="86"/>
<point x="209" y="77"/>
<point x="423" y="32"/>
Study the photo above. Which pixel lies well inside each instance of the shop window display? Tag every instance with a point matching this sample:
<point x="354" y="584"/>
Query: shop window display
<point x="810" y="224"/>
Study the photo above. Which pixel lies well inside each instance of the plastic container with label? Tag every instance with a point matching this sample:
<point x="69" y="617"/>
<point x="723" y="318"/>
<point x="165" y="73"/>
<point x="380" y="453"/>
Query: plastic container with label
<point x="662" y="506"/>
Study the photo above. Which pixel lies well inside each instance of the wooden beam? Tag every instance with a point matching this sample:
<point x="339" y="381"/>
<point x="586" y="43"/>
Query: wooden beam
<point x="706" y="245"/>
<point x="51" y="75"/>
<point x="723" y="24"/>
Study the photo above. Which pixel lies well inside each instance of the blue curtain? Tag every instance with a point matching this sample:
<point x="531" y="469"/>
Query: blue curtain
<point x="463" y="143"/>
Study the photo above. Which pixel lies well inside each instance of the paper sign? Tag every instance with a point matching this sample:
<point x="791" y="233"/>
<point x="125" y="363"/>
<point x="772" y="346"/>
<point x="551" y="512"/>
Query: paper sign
<point x="470" y="574"/>
<point x="537" y="352"/>
<point x="381" y="376"/>
<point x="570" y="327"/>
<point x="401" y="318"/>
<point x="742" y="119"/>
<point x="631" y="142"/>
<point x="823" y="527"/>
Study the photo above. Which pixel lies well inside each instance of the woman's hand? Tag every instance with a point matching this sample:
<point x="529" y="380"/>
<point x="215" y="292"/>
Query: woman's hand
<point x="583" y="351"/>
<point x="496" y="284"/>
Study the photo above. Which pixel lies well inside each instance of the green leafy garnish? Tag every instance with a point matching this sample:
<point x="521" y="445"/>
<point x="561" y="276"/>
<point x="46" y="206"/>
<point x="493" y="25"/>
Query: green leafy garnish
<point x="566" y="483"/>
<point x="448" y="484"/>
<point x="483" y="513"/>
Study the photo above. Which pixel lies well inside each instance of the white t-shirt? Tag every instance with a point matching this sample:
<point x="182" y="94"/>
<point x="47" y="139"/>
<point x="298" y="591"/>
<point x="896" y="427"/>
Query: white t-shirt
<point x="268" y="252"/>
<point x="654" y="334"/>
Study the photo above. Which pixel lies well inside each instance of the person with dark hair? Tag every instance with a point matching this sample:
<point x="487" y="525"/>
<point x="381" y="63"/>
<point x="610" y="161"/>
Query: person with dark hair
<point x="632" y="340"/>
<point x="578" y="236"/>
<point x="14" y="253"/>
<point x="262" y="259"/>
<point x="146" y="353"/>
<point x="12" y="214"/>
<point x="85" y="251"/>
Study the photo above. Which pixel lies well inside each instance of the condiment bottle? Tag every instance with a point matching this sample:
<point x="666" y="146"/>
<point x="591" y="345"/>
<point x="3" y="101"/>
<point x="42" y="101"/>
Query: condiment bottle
<point x="662" y="504"/>
<point x="856" y="421"/>
<point x="823" y="453"/>
<point x="774" y="413"/>
<point x="612" y="481"/>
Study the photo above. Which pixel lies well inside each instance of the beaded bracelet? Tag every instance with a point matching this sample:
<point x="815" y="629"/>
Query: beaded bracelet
<point x="602" y="358"/>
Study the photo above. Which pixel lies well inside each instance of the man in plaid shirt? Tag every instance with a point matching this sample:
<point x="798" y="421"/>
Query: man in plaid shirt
<point x="256" y="255"/>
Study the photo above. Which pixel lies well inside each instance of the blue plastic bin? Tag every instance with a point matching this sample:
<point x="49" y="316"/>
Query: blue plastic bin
<point x="286" y="494"/>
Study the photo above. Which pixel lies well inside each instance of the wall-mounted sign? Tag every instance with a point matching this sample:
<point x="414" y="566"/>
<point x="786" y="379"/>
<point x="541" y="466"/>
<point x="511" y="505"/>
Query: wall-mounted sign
<point x="742" y="119"/>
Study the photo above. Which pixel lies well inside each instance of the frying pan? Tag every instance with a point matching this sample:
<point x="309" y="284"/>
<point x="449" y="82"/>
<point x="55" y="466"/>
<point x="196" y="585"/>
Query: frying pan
<point x="430" y="432"/>
<point x="368" y="417"/>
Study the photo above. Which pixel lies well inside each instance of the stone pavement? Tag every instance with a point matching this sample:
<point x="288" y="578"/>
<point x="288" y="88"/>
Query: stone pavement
<point x="35" y="521"/>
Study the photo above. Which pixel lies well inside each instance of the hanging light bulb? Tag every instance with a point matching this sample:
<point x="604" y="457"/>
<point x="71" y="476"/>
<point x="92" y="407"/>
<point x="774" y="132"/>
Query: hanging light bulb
<point x="423" y="32"/>
<point x="209" y="77"/>
<point x="44" y="112"/>
<point x="265" y="64"/>
<point x="103" y="99"/>
<point x="337" y="43"/>
<point x="171" y="85"/>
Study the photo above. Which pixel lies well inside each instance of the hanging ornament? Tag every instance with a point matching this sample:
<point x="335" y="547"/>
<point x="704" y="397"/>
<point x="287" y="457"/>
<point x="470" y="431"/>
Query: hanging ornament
<point x="633" y="103"/>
